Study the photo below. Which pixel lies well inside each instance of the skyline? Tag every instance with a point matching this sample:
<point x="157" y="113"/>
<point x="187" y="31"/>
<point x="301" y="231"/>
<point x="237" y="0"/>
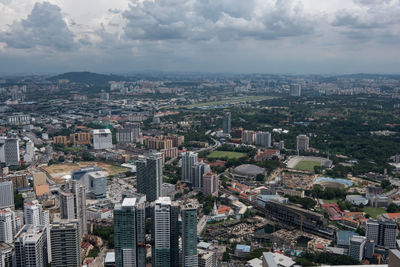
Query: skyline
<point x="130" y="36"/>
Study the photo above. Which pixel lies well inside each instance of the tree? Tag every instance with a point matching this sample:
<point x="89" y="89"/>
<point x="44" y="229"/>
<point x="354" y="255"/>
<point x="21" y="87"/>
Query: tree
<point x="225" y="256"/>
<point x="260" y="177"/>
<point x="393" y="208"/>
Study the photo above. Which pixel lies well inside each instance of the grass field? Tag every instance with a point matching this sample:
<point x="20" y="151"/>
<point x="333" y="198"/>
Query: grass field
<point x="307" y="165"/>
<point x="374" y="212"/>
<point x="330" y="201"/>
<point x="225" y="154"/>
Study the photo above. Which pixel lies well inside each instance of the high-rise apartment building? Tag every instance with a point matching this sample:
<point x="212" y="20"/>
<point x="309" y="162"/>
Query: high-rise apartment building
<point x="6" y="194"/>
<point x="302" y="142"/>
<point x="263" y="139"/>
<point x="149" y="175"/>
<point x="31" y="246"/>
<point x="189" y="235"/>
<point x="356" y="247"/>
<point x="189" y="159"/>
<point x="7" y="255"/>
<point x="130" y="233"/>
<point x="198" y="170"/>
<point x="73" y="204"/>
<point x="207" y="259"/>
<point x="33" y="213"/>
<point x="29" y="152"/>
<point x="65" y="244"/>
<point x="7" y="226"/>
<point x="382" y="232"/>
<point x="128" y="135"/>
<point x="248" y="137"/>
<point x="226" y="122"/>
<point x="210" y="184"/>
<point x="165" y="233"/>
<point x="295" y="90"/>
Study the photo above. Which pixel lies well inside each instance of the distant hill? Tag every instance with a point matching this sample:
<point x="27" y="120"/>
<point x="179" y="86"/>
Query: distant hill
<point x="88" y="77"/>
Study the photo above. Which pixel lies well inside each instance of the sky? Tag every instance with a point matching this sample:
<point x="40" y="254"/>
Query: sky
<point x="238" y="36"/>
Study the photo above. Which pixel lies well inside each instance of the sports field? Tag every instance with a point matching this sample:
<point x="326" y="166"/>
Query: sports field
<point x="307" y="165"/>
<point x="225" y="154"/>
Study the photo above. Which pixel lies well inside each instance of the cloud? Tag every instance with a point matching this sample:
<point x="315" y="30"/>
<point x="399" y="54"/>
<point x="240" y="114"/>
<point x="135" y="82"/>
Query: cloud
<point x="206" y="19"/>
<point x="44" y="27"/>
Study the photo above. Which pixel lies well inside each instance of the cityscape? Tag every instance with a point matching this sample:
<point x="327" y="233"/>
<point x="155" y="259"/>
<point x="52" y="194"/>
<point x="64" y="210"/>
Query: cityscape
<point x="196" y="133"/>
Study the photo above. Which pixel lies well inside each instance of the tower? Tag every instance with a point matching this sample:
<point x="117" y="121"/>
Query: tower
<point x="149" y="175"/>
<point x="189" y="159"/>
<point x="226" y="123"/>
<point x="189" y="235"/>
<point x="65" y="244"/>
<point x="129" y="233"/>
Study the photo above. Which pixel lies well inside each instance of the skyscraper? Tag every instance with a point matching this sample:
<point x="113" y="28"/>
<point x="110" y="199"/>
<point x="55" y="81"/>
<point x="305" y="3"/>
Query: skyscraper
<point x="356" y="247"/>
<point x="302" y="142"/>
<point x="189" y="159"/>
<point x="31" y="246"/>
<point x="295" y="90"/>
<point x="248" y="137"/>
<point x="198" y="170"/>
<point x="189" y="235"/>
<point x="263" y="139"/>
<point x="129" y="233"/>
<point x="6" y="226"/>
<point x="149" y="175"/>
<point x="6" y="195"/>
<point x="7" y="255"/>
<point x="65" y="244"/>
<point x="226" y="122"/>
<point x="73" y="204"/>
<point x="33" y="213"/>
<point x="210" y="184"/>
<point x="382" y="232"/>
<point x="164" y="234"/>
<point x="9" y="151"/>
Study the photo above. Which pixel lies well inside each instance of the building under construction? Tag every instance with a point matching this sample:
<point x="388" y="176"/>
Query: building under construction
<point x="299" y="218"/>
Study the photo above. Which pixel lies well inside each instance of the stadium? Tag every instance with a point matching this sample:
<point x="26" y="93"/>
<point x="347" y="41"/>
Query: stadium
<point x="307" y="163"/>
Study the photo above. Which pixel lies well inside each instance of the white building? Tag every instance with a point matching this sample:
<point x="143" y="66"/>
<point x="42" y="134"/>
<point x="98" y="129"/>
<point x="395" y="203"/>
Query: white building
<point x="19" y="119"/>
<point x="248" y="137"/>
<point x="29" y="152"/>
<point x="31" y="246"/>
<point x="102" y="139"/>
<point x="6" y="226"/>
<point x="33" y="213"/>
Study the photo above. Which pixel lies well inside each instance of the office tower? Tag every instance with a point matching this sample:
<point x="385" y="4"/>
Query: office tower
<point x="263" y="139"/>
<point x="33" y="213"/>
<point x="7" y="255"/>
<point x="65" y="244"/>
<point x="198" y="170"/>
<point x="102" y="139"/>
<point x="97" y="184"/>
<point x="382" y="232"/>
<point x="248" y="137"/>
<point x="7" y="226"/>
<point x="149" y="175"/>
<point x="369" y="249"/>
<point x="130" y="232"/>
<point x="356" y="247"/>
<point x="9" y="151"/>
<point x="6" y="195"/>
<point x="210" y="184"/>
<point x="295" y="90"/>
<point x="302" y="142"/>
<point x="74" y="190"/>
<point x="164" y="233"/>
<point x="189" y="235"/>
<point x="188" y="160"/>
<point x="31" y="247"/>
<point x="226" y="122"/>
<point x="29" y="152"/>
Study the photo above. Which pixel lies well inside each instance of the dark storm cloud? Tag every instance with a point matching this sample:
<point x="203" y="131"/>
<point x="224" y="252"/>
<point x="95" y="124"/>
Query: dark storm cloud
<point x="206" y="19"/>
<point x="44" y="27"/>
